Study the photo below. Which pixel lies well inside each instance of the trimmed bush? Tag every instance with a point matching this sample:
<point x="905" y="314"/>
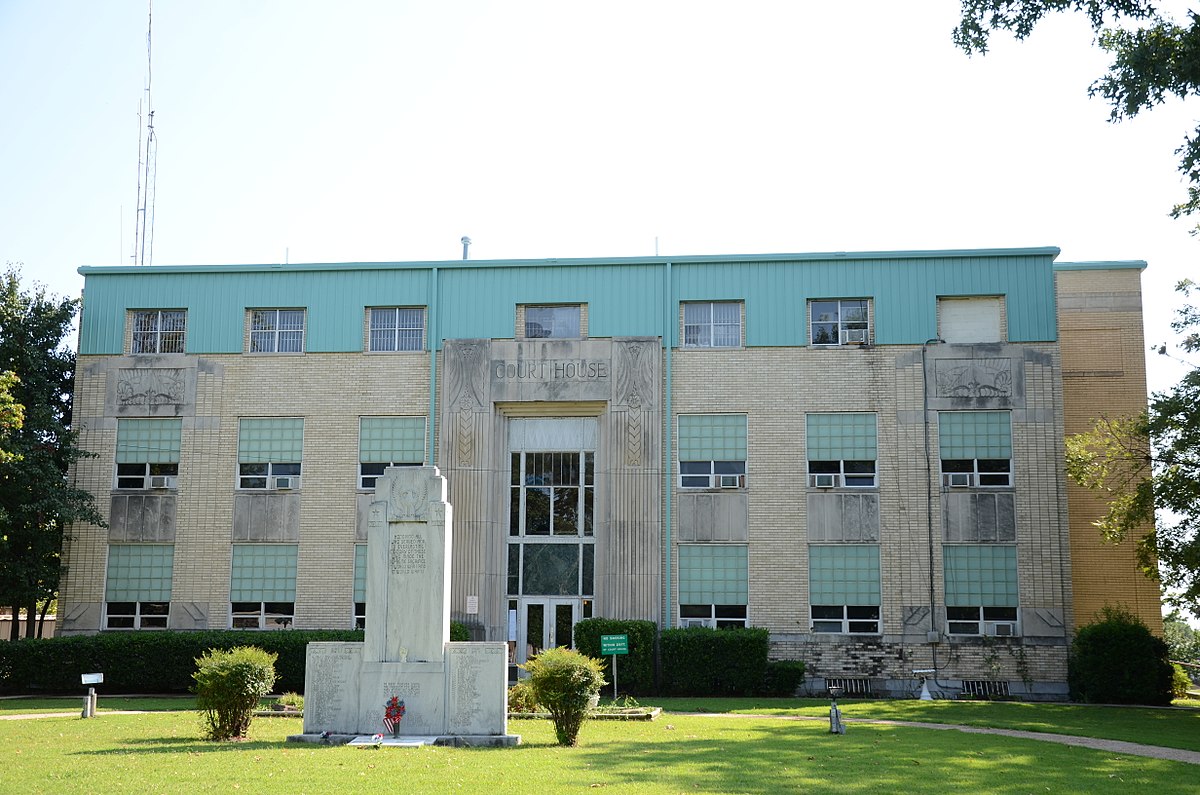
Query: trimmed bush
<point x="459" y="631"/>
<point x="564" y="682"/>
<point x="699" y="661"/>
<point x="146" y="662"/>
<point x="520" y="698"/>
<point x="1117" y="661"/>
<point x="1180" y="681"/>
<point x="229" y="684"/>
<point x="635" y="671"/>
<point x="783" y="678"/>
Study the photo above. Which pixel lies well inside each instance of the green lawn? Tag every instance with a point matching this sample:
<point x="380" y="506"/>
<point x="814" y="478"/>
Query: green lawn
<point x="1173" y="728"/>
<point x="162" y="752"/>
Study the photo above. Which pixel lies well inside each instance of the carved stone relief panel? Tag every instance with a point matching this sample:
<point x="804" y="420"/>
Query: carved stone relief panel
<point x="973" y="378"/>
<point x="151" y="386"/>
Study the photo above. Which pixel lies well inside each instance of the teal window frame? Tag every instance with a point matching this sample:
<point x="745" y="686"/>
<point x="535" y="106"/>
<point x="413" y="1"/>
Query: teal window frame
<point x="147" y="449"/>
<point x="269" y="448"/>
<point x="389" y="441"/>
<point x="712" y="450"/>
<point x="842" y="449"/>
<point x="975" y="449"/>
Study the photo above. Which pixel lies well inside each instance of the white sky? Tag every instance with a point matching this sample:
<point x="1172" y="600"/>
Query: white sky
<point x="359" y="131"/>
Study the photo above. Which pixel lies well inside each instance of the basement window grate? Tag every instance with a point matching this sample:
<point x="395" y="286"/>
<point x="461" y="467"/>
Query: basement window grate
<point x="850" y="687"/>
<point x="983" y="688"/>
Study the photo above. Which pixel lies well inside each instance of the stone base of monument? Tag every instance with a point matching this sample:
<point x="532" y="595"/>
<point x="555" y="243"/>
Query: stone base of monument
<point x="410" y="741"/>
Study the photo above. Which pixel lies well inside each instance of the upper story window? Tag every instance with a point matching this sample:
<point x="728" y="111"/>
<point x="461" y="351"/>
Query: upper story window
<point x="843" y="321"/>
<point x="968" y="320"/>
<point x="269" y="452"/>
<point x="712" y="324"/>
<point x="276" y="331"/>
<point x="712" y="451"/>
<point x="395" y="328"/>
<point x="388" y="441"/>
<point x="148" y="453"/>
<point x="552" y="493"/>
<point x="976" y="448"/>
<point x="158" y="331"/>
<point x="841" y="450"/>
<point x="137" y="588"/>
<point x="554" y="322"/>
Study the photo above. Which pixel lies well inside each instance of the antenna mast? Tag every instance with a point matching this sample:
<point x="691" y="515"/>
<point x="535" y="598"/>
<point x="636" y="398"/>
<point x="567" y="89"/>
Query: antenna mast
<point x="143" y="230"/>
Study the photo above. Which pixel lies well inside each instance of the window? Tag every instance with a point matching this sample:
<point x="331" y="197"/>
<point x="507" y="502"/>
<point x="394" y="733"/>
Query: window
<point x="553" y="322"/>
<point x="269" y="452"/>
<point x="277" y="331"/>
<point x="148" y="453"/>
<point x="159" y="331"/>
<point x="712" y="451"/>
<point x="712" y="325"/>
<point x="712" y="585"/>
<point x="388" y="441"/>
<point x="262" y="588"/>
<point x="843" y="588"/>
<point x="137" y="591"/>
<point x="552" y="493"/>
<point x="968" y="320"/>
<point x="976" y="448"/>
<point x="841" y="450"/>
<point x="840" y="322"/>
<point x="360" y="586"/>
<point x="981" y="589"/>
<point x="397" y="329"/>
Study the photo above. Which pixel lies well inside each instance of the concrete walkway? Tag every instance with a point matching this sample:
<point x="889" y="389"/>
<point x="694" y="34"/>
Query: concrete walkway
<point x="1112" y="746"/>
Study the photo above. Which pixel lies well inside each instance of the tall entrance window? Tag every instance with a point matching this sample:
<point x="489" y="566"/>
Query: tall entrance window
<point x="551" y="531"/>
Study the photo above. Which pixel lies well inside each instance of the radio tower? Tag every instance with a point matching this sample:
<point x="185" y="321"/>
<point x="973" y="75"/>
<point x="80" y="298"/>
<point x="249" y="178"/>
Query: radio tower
<point x="143" y="231"/>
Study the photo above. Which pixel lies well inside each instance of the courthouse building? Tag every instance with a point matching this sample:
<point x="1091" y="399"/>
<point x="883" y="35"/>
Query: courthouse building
<point x="860" y="452"/>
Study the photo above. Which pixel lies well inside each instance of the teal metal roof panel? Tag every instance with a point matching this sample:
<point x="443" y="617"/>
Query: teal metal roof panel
<point x="625" y="296"/>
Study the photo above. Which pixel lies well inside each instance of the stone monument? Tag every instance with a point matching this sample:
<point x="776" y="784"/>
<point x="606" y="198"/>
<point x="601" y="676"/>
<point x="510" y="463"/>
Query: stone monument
<point x="454" y="693"/>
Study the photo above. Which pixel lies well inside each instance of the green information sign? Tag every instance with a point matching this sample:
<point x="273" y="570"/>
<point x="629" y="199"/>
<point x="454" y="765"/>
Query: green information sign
<point x="614" y="644"/>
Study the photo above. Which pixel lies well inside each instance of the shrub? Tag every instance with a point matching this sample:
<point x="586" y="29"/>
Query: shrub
<point x="783" y="678"/>
<point x="520" y="699"/>
<point x="459" y="631"/>
<point x="564" y="682"/>
<point x="699" y="661"/>
<point x="229" y="684"/>
<point x="635" y="671"/>
<point x="1116" y="660"/>
<point x="1180" y="681"/>
<point x="147" y="662"/>
<point x="293" y="700"/>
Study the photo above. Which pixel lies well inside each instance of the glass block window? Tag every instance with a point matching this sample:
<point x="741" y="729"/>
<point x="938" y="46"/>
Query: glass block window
<point x="270" y="448"/>
<point x="397" y="329"/>
<point x="276" y="330"/>
<point x="360" y="586"/>
<point x="139" y="573"/>
<point x="713" y="574"/>
<point x="148" y="453"/>
<point x="712" y="324"/>
<point x="843" y="574"/>
<point x="158" y="331"/>
<point x="975" y="448"/>
<point x="388" y="441"/>
<point x="980" y="574"/>
<point x="137" y="591"/>
<point x="263" y="572"/>
<point x="841" y="449"/>
<point x="712" y="450"/>
<point x="148" y="441"/>
<point x="553" y="322"/>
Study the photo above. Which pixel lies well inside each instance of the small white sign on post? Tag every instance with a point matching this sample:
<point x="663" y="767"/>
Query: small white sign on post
<point x="92" y="679"/>
<point x="89" y="701"/>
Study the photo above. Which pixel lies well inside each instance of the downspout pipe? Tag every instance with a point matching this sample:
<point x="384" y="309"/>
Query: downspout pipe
<point x="668" y="338"/>
<point x="932" y="637"/>
<point x="434" y="344"/>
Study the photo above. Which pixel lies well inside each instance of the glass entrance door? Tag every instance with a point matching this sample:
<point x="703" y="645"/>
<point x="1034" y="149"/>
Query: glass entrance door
<point x="546" y="624"/>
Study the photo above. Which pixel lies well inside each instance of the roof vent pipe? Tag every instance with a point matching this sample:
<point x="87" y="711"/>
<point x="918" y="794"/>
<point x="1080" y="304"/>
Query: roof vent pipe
<point x="466" y="241"/>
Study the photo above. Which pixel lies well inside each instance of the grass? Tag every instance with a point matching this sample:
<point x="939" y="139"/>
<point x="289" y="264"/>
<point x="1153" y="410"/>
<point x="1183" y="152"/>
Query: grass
<point x="162" y="752"/>
<point x="1172" y="728"/>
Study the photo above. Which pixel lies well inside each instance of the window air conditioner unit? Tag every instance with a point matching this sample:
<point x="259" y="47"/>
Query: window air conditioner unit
<point x="162" y="481"/>
<point x="958" y="480"/>
<point x="1000" y="629"/>
<point x="856" y="336"/>
<point x="731" y="481"/>
<point x="283" y="483"/>
<point x="693" y="622"/>
<point x="824" y="481"/>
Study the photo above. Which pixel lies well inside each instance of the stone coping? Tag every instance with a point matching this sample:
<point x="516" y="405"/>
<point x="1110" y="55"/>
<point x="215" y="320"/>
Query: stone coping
<point x="410" y="740"/>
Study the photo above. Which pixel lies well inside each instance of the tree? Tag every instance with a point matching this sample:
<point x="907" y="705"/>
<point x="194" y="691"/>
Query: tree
<point x="12" y="413"/>
<point x="1149" y="466"/>
<point x="1182" y="640"/>
<point x="36" y="501"/>
<point x="1153" y="58"/>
